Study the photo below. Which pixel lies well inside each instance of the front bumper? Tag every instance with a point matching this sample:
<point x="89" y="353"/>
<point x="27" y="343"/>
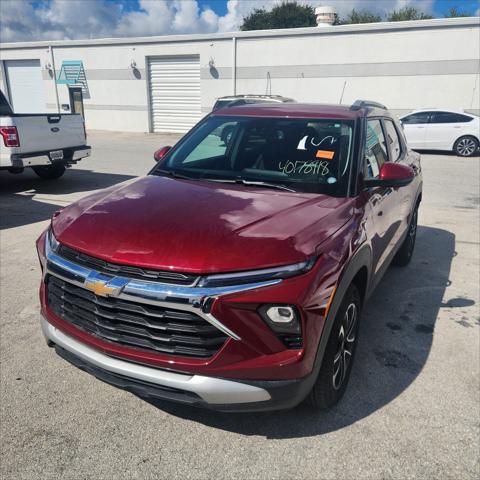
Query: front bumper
<point x="195" y="390"/>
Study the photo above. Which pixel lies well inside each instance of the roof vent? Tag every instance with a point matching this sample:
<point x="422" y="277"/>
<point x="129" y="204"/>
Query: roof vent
<point x="326" y="16"/>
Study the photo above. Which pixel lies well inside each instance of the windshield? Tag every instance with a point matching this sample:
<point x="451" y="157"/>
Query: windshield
<point x="303" y="155"/>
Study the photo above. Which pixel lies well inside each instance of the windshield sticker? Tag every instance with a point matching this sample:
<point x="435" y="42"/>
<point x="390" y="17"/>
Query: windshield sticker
<point x="306" y="168"/>
<point x="325" y="154"/>
<point x="302" y="142"/>
<point x="331" y="180"/>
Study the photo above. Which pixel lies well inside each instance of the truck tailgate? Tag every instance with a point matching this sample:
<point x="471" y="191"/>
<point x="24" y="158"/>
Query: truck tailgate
<point x="47" y="132"/>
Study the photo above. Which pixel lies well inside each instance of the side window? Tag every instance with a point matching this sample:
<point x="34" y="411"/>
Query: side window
<point x="415" y="118"/>
<point x="375" y="149"/>
<point x="393" y="140"/>
<point x="450" y="117"/>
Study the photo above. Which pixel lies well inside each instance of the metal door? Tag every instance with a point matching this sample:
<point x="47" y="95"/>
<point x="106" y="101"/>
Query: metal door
<point x="174" y="87"/>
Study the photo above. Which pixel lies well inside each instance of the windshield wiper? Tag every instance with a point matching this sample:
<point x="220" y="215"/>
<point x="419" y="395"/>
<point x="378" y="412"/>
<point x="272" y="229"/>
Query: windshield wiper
<point x="266" y="184"/>
<point x="174" y="174"/>
<point x="251" y="182"/>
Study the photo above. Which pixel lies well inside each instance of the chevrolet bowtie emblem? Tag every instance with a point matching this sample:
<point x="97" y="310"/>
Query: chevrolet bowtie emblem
<point x="104" y="287"/>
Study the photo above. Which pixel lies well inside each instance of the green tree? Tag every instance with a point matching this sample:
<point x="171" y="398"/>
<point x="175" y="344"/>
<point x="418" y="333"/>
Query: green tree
<point x="285" y="15"/>
<point x="361" y="16"/>
<point x="456" y="12"/>
<point x="407" y="13"/>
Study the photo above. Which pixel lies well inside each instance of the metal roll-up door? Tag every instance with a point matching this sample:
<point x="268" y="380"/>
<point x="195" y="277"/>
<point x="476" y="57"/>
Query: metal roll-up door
<point x="25" y="86"/>
<point x="174" y="93"/>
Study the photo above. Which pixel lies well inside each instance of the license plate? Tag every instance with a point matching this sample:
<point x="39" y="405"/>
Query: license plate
<point x="56" y="155"/>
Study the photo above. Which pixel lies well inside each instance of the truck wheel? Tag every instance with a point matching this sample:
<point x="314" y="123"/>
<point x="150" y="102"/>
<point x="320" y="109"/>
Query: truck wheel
<point x="404" y="254"/>
<point x="338" y="359"/>
<point x="466" y="146"/>
<point x="50" y="172"/>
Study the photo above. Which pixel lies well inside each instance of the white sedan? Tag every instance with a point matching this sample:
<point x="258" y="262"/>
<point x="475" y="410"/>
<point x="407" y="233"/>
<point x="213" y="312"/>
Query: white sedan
<point x="442" y="130"/>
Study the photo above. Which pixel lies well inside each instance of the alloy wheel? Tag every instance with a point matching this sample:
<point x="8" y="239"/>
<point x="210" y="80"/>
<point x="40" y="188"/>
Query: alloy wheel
<point x="412" y="233"/>
<point x="346" y="342"/>
<point x="466" y="146"/>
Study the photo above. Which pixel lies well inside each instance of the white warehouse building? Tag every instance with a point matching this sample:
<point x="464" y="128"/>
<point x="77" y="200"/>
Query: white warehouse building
<point x="166" y="84"/>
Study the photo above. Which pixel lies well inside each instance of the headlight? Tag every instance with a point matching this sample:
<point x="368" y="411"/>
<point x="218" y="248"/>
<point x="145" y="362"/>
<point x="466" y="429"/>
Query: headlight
<point x="254" y="276"/>
<point x="281" y="318"/>
<point x="51" y="243"/>
<point x="285" y="321"/>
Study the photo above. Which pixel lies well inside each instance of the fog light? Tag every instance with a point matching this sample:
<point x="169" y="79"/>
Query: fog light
<point x="281" y="314"/>
<point x="281" y="318"/>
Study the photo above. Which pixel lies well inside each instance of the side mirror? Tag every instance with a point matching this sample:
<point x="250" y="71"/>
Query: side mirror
<point x="392" y="175"/>
<point x="159" y="154"/>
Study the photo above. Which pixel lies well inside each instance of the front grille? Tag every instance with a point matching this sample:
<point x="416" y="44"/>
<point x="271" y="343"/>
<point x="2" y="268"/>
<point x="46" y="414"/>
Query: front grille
<point x="148" y="327"/>
<point x="99" y="265"/>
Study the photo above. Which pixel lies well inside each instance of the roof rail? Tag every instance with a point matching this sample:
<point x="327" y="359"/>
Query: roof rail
<point x="358" y="104"/>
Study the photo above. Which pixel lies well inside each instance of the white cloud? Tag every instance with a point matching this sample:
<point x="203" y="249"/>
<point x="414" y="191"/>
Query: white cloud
<point x="72" y="19"/>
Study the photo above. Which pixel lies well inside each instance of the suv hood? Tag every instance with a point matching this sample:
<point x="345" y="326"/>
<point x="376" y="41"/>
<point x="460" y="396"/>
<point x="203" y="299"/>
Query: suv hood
<point x="201" y="227"/>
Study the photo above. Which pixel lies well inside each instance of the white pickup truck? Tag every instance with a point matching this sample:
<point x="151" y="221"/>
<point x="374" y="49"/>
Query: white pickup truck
<point x="48" y="143"/>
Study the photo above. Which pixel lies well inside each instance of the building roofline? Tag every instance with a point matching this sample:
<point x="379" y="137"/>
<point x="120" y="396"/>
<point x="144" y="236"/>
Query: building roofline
<point x="286" y="32"/>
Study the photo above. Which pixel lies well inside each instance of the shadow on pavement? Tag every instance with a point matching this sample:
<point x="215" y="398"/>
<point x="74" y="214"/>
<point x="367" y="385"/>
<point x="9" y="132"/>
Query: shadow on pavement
<point x="74" y="181"/>
<point x="395" y="340"/>
<point x="18" y="205"/>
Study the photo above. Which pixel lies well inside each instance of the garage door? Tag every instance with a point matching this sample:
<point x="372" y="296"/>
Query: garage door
<point x="25" y="86"/>
<point x="174" y="93"/>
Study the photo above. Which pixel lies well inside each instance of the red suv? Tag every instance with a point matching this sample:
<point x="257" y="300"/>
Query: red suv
<point x="233" y="275"/>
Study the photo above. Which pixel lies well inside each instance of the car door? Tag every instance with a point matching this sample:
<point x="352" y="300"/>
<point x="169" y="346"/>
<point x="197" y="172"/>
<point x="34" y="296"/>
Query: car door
<point x="404" y="197"/>
<point x="443" y="129"/>
<point x="380" y="200"/>
<point x="414" y="127"/>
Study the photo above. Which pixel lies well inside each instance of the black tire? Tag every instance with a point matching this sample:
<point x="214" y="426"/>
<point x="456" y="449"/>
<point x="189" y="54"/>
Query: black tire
<point x="50" y="172"/>
<point x="339" y="354"/>
<point x="404" y="254"/>
<point x="466" y="146"/>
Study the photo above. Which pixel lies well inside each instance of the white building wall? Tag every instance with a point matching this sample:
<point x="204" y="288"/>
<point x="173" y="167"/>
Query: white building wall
<point x="406" y="65"/>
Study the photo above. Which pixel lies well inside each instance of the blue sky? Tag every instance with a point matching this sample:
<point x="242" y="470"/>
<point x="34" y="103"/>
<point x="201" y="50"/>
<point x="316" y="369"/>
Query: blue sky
<point x="439" y="6"/>
<point x="31" y="20"/>
<point x="220" y="6"/>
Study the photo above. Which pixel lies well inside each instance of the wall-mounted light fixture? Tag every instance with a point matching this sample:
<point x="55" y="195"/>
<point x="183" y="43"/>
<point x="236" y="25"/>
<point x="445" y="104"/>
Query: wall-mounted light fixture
<point x="211" y="62"/>
<point x="133" y="64"/>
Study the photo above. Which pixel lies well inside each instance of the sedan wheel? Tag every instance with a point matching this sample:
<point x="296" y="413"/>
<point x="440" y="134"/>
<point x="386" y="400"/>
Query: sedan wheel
<point x="466" y="146"/>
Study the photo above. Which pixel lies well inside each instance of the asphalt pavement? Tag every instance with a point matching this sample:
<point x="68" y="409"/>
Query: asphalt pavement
<point x="411" y="409"/>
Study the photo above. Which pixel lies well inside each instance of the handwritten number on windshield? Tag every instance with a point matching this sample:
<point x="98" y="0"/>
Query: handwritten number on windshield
<point x="305" y="168"/>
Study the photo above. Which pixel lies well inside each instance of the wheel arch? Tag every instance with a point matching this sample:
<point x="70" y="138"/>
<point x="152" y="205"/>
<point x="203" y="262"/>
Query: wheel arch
<point x="358" y="271"/>
<point x="360" y="280"/>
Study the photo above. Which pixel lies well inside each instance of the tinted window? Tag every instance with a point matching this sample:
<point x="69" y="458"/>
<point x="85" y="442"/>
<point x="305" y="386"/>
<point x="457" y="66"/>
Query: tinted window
<point x="375" y="149"/>
<point x="222" y="104"/>
<point x="302" y="154"/>
<point x="421" y="117"/>
<point x="449" y="117"/>
<point x="393" y="140"/>
<point x="4" y="106"/>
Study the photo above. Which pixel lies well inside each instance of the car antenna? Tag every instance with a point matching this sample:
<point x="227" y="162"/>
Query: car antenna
<point x="343" y="91"/>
